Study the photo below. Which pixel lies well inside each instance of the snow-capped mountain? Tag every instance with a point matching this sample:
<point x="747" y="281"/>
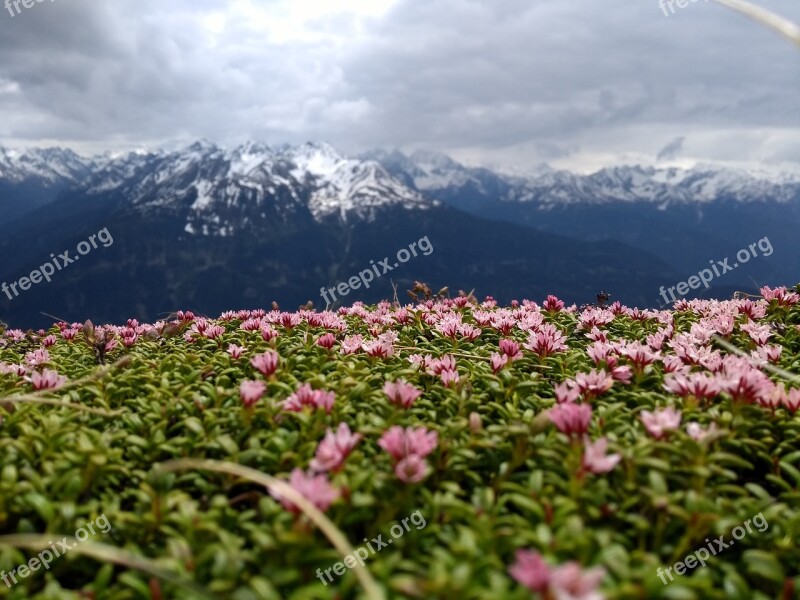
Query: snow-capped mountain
<point x="439" y="176"/>
<point x="49" y="165"/>
<point x="341" y="185"/>
<point x="687" y="217"/>
<point x="210" y="228"/>
<point x="218" y="191"/>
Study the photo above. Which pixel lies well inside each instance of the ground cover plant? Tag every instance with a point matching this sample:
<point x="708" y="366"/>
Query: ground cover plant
<point x="449" y="448"/>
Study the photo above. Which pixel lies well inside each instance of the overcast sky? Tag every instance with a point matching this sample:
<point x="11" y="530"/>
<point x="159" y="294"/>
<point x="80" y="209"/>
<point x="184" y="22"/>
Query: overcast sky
<point x="576" y="83"/>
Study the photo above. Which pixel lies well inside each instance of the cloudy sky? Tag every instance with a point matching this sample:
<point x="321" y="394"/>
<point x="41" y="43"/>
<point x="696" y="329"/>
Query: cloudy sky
<point x="576" y="83"/>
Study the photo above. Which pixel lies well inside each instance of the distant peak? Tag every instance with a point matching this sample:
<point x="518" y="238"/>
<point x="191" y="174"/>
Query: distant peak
<point x="202" y="145"/>
<point x="433" y="158"/>
<point x="253" y="147"/>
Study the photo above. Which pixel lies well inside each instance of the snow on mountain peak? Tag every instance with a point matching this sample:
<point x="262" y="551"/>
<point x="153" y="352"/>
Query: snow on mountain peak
<point x="436" y="174"/>
<point x="248" y="157"/>
<point x="220" y="190"/>
<point x="221" y="187"/>
<point x="51" y="165"/>
<point x="319" y="159"/>
<point x="343" y="185"/>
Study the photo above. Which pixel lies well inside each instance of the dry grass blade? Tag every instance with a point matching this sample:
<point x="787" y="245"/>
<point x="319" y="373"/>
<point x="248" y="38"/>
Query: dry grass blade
<point x="771" y="368"/>
<point x="29" y="399"/>
<point x="37" y="397"/>
<point x="108" y="554"/>
<point x="336" y="537"/>
<point x="786" y="28"/>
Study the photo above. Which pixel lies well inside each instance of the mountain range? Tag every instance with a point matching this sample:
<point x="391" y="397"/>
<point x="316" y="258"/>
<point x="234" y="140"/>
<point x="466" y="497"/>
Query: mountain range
<point x="210" y="229"/>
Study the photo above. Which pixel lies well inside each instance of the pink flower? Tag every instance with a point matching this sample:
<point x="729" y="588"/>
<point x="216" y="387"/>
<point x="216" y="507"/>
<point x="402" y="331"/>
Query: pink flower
<point x="672" y="364"/>
<point x="69" y="334"/>
<point x="47" y="380"/>
<point x="18" y="370"/>
<point x="783" y="296"/>
<point x="289" y="320"/>
<point x="251" y="325"/>
<point x="595" y="459"/>
<point x="751" y="309"/>
<point x="723" y="324"/>
<point x="469" y="332"/>
<point x="639" y="354"/>
<point x="567" y="391"/>
<point x="448" y="377"/>
<point x="411" y="469"/>
<point x="213" y="332"/>
<point x="266" y="363"/>
<point x="772" y="397"/>
<point x="305" y="396"/>
<point x="129" y="337"/>
<point x="420" y="361"/>
<point x="352" y="344"/>
<point x="552" y="304"/>
<point x="566" y="582"/>
<point x="699" y="385"/>
<point x="792" y="399"/>
<point x="659" y="422"/>
<point x="268" y="333"/>
<point x="510" y="348"/>
<point x="235" y="351"/>
<point x="548" y="340"/>
<point x="379" y="348"/>
<point x="49" y="341"/>
<point x="435" y="366"/>
<point x="656" y="340"/>
<point x="251" y="391"/>
<point x="185" y="316"/>
<point x="571" y="418"/>
<point x="449" y="325"/>
<point x="697" y="433"/>
<point x="503" y="324"/>
<point x="334" y="449"/>
<point x="592" y="317"/>
<point x="593" y="383"/>
<point x="768" y="353"/>
<point x="622" y="374"/>
<point x="742" y="381"/>
<point x="597" y="335"/>
<point x="601" y="351"/>
<point x="401" y="393"/>
<point x="401" y="442"/>
<point x="498" y="361"/>
<point x="37" y="357"/>
<point x="570" y="582"/>
<point x="530" y="570"/>
<point x="326" y="341"/>
<point x="314" y="488"/>
<point x="760" y="334"/>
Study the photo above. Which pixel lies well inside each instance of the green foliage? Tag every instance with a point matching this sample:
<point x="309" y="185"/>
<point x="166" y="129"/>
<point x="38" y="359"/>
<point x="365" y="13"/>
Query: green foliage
<point x="505" y="483"/>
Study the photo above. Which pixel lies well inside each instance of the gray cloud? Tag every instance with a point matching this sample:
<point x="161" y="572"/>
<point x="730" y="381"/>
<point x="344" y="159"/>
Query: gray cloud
<point x="671" y="150"/>
<point x="484" y="78"/>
